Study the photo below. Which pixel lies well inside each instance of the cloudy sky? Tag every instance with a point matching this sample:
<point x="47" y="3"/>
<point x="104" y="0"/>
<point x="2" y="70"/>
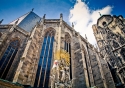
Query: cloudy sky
<point x="83" y="13"/>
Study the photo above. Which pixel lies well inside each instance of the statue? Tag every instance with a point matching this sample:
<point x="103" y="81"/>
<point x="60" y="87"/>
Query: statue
<point x="60" y="75"/>
<point x="63" y="75"/>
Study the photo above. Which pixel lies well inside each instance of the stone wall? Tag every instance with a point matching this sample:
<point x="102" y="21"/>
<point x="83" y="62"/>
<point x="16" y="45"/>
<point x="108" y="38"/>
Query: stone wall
<point x="78" y="79"/>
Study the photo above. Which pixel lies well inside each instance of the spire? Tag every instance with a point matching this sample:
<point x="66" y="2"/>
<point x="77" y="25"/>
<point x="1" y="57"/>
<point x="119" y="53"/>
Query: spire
<point x="61" y="19"/>
<point x="32" y="9"/>
<point x="61" y="15"/>
<point x="100" y="14"/>
<point x="1" y="21"/>
<point x="44" y="16"/>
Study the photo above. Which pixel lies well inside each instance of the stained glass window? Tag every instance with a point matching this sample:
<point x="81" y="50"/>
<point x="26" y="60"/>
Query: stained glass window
<point x="43" y="71"/>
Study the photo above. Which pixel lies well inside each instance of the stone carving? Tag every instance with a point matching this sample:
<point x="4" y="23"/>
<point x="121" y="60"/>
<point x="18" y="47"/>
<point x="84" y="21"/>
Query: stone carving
<point x="60" y="77"/>
<point x="63" y="74"/>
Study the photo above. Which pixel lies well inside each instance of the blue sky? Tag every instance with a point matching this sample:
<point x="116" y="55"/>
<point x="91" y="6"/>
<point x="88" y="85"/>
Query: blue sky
<point x="12" y="9"/>
<point x="83" y="13"/>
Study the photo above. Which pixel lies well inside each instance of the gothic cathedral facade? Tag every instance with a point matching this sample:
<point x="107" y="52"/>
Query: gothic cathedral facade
<point x="28" y="47"/>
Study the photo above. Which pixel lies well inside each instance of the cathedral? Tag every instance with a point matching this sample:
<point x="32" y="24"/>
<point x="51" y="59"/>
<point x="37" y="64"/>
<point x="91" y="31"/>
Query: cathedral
<point x="36" y="52"/>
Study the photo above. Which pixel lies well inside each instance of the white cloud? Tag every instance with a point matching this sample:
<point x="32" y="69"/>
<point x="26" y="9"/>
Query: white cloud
<point x="83" y="18"/>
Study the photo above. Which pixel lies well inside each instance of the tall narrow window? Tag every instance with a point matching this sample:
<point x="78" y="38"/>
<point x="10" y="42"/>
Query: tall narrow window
<point x="8" y="57"/>
<point x="67" y="47"/>
<point x="43" y="71"/>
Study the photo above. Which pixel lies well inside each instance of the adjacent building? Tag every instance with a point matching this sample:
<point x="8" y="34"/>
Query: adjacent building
<point x="110" y="35"/>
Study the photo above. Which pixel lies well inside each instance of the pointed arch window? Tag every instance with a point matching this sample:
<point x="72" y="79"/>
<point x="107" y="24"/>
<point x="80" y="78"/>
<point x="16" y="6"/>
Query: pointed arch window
<point x="67" y="47"/>
<point x="8" y="58"/>
<point x="43" y="71"/>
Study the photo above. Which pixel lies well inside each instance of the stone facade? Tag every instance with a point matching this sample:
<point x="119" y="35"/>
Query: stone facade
<point x="88" y="67"/>
<point x="110" y="35"/>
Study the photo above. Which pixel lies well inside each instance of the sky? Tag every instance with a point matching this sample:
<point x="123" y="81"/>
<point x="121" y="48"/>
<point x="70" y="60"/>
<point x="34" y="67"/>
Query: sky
<point x="83" y="13"/>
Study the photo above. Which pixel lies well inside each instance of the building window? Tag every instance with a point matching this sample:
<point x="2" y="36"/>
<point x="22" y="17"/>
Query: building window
<point x="43" y="71"/>
<point x="8" y="58"/>
<point x="67" y="47"/>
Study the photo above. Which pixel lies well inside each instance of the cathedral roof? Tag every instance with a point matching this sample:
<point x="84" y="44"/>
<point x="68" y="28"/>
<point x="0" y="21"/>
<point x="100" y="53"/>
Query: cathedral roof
<point x="20" y="19"/>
